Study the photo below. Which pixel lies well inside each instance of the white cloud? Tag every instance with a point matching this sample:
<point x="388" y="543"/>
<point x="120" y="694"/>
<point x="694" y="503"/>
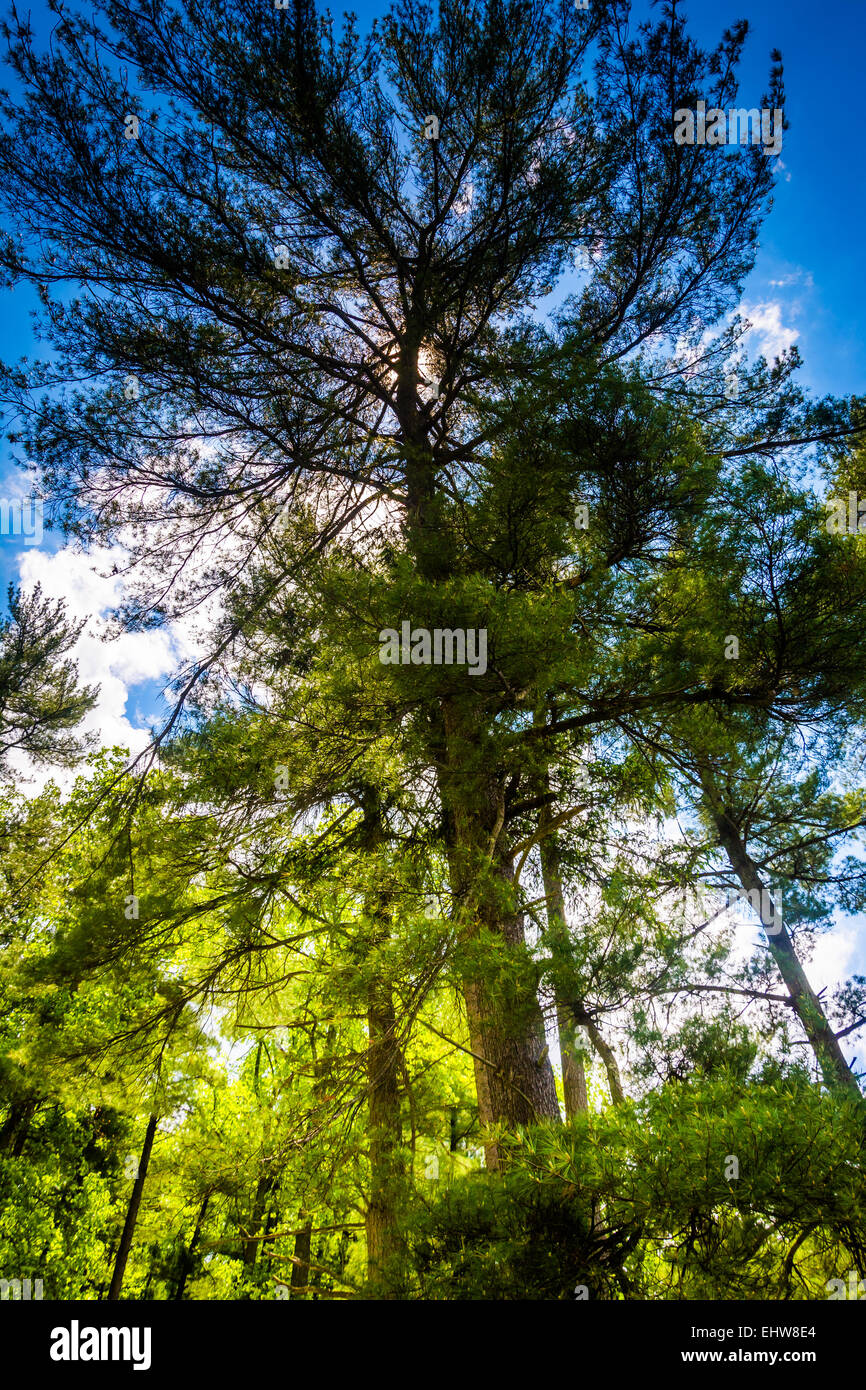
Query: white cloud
<point x="794" y="277"/>
<point x="767" y="332"/>
<point x="465" y="198"/>
<point x="19" y="483"/>
<point x="91" y="591"/>
<point x="833" y="956"/>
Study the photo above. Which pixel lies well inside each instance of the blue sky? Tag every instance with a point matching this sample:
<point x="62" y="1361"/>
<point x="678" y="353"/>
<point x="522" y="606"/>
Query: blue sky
<point x="815" y="231"/>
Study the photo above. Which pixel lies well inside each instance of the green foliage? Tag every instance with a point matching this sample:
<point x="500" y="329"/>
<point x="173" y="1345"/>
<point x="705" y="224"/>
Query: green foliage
<point x="320" y="942"/>
<point x="645" y="1201"/>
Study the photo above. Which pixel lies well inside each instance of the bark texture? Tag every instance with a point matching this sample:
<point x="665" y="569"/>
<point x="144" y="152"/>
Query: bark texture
<point x="264" y="1188"/>
<point x="189" y="1253"/>
<point x="513" y="1075"/>
<point x="301" y="1263"/>
<point x="132" y="1213"/>
<point x="573" y="1073"/>
<point x="386" y="1136"/>
<point x="824" y="1043"/>
<point x="16" y="1127"/>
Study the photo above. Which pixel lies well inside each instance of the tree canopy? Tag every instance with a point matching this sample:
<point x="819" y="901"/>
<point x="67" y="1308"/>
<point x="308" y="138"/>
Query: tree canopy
<point x="403" y="963"/>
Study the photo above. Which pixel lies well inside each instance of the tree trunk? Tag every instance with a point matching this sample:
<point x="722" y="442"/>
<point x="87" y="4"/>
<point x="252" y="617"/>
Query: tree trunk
<point x="303" y="1243"/>
<point x="385" y="1137"/>
<point x="13" y="1135"/>
<point x="132" y="1213"/>
<point x="605" y="1052"/>
<point x="384" y="1060"/>
<point x="825" y="1045"/>
<point x="573" y="1074"/>
<point x="189" y="1254"/>
<point x="264" y="1188"/>
<point x="513" y="1076"/>
<point x="572" y="1013"/>
<point x="273" y="1212"/>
